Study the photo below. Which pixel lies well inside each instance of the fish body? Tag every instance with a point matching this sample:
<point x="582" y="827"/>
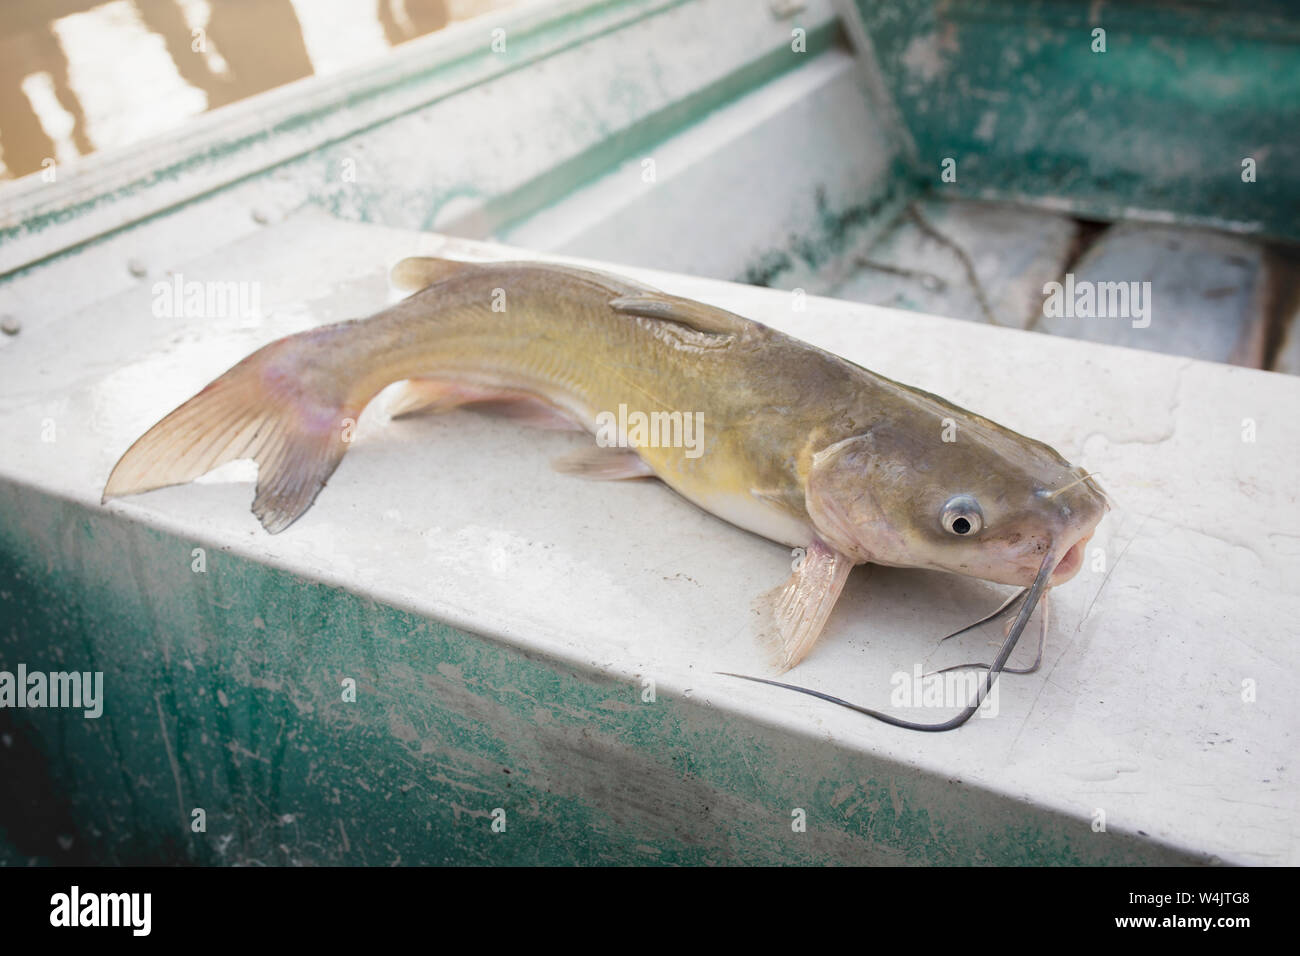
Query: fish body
<point x="769" y="433"/>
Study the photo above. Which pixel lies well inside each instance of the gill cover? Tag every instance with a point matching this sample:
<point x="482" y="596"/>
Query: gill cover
<point x="843" y="499"/>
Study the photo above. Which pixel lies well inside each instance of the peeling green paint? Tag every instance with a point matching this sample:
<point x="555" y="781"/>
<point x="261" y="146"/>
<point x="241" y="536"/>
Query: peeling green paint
<point x="505" y="211"/>
<point x="1157" y="125"/>
<point x="836" y="232"/>
<point x="223" y="691"/>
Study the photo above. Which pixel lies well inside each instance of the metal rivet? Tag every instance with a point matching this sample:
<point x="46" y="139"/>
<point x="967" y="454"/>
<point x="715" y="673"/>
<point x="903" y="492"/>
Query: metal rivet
<point x="10" y="325"/>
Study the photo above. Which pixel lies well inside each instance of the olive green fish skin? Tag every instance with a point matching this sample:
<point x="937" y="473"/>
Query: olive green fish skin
<point x="796" y="442"/>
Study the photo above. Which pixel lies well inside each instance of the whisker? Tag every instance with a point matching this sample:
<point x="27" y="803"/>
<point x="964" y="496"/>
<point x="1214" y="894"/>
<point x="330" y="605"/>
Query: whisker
<point x="1052" y="494"/>
<point x="1004" y="609"/>
<point x="1036" y="591"/>
<point x="1043" y="618"/>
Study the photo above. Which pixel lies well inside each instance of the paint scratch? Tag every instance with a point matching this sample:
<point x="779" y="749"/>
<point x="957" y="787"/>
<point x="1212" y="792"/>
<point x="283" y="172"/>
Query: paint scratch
<point x="171" y="759"/>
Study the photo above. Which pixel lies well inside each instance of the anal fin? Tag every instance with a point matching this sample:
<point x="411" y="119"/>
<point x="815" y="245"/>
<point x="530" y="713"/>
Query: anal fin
<point x="603" y="464"/>
<point x="421" y="396"/>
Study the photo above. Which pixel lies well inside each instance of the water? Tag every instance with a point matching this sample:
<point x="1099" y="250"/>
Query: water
<point x="81" y="75"/>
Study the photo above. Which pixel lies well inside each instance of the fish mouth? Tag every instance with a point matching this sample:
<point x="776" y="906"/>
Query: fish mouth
<point x="1070" y="564"/>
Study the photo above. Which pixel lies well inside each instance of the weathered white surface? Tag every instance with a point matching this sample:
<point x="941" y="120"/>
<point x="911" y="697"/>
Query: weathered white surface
<point x="738" y="166"/>
<point x="1205" y="293"/>
<point x="1138" y="710"/>
<point x="1012" y="250"/>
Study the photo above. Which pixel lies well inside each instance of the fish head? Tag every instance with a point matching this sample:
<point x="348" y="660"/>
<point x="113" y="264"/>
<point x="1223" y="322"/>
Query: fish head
<point x="989" y="503"/>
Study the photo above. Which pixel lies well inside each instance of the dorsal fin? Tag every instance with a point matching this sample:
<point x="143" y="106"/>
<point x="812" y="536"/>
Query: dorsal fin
<point x="687" y="312"/>
<point x="420" y="272"/>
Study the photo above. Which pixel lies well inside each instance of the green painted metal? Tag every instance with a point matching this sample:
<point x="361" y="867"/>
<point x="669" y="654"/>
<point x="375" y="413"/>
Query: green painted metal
<point x="837" y="232"/>
<point x="224" y="687"/>
<point x="1156" y="126"/>
<point x="391" y="203"/>
<point x="223" y="692"/>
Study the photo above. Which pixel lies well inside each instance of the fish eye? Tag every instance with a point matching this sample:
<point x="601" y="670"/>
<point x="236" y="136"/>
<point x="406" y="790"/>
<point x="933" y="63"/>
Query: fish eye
<point x="962" y="515"/>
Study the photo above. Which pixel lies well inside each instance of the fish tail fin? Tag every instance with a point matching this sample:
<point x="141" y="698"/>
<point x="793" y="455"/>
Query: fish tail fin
<point x="267" y="408"/>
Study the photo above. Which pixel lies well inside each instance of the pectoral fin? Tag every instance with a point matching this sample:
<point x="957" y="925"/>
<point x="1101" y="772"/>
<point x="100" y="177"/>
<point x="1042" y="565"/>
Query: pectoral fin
<point x="603" y="464"/>
<point x="800" y="608"/>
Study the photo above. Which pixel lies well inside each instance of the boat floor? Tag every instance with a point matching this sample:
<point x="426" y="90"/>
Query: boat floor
<point x="1178" y="290"/>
